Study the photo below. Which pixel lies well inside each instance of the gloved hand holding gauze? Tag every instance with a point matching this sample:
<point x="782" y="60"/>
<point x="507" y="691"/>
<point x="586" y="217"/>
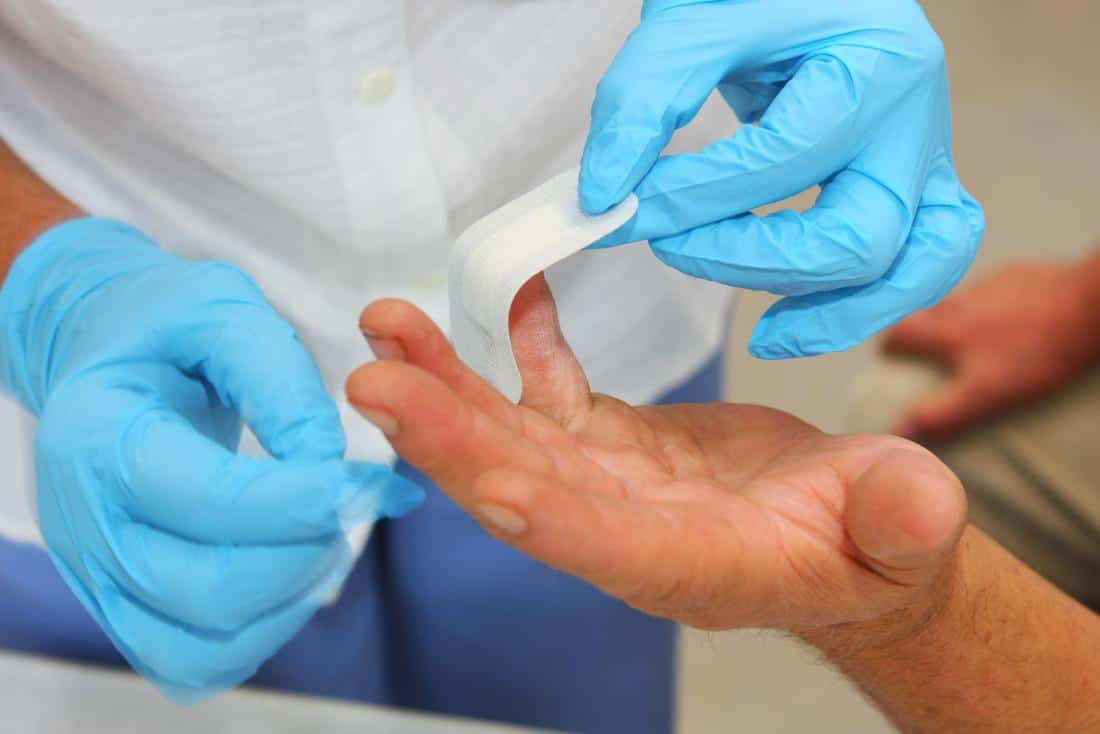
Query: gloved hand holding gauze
<point x="141" y="366"/>
<point x="499" y="253"/>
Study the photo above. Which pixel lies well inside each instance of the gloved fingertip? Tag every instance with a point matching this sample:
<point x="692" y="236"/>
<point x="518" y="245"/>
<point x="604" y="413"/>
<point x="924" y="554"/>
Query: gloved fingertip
<point x="764" y="345"/>
<point x="788" y="330"/>
<point x="790" y="346"/>
<point x="402" y="499"/>
<point x="607" y="168"/>
<point x="595" y="197"/>
<point x="771" y="351"/>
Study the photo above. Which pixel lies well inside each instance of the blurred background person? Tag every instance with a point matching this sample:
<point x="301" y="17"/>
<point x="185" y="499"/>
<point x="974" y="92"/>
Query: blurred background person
<point x="1002" y="380"/>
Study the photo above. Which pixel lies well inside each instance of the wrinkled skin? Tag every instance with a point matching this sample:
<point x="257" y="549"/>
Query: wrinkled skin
<point x="718" y="516"/>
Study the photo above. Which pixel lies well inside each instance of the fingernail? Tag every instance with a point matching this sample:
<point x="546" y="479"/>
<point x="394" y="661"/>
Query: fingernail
<point x="503" y="519"/>
<point x="386" y="348"/>
<point x="379" y="419"/>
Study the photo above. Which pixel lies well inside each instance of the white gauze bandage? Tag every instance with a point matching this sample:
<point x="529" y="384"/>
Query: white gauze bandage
<point x="498" y="254"/>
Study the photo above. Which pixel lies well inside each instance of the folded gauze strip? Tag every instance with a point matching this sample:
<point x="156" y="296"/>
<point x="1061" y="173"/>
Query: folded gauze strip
<point x="497" y="255"/>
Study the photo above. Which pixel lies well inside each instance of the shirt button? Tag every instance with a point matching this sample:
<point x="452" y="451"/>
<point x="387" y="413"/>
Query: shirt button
<point x="377" y="85"/>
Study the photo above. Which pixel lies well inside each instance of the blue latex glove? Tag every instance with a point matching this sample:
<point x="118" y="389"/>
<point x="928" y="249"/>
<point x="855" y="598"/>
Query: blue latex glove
<point x="198" y="563"/>
<point x="852" y="95"/>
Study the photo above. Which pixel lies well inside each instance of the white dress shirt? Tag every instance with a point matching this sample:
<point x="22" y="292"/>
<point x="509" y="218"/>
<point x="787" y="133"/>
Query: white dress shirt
<point x="334" y="149"/>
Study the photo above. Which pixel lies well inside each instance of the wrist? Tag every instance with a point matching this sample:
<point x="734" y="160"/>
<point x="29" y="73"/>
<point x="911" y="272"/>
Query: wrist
<point x="925" y="620"/>
<point x="1002" y="651"/>
<point x="34" y="223"/>
<point x="28" y="207"/>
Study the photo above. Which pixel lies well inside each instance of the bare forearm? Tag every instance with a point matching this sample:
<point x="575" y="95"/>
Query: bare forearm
<point x="28" y="206"/>
<point x="1002" y="651"/>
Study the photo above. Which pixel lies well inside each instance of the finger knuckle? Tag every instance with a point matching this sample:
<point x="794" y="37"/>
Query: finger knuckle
<point x="862" y="254"/>
<point x="910" y="21"/>
<point x="929" y="51"/>
<point x="209" y="603"/>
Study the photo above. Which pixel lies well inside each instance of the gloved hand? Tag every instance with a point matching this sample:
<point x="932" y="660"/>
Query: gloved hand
<point x="198" y="563"/>
<point x="852" y="95"/>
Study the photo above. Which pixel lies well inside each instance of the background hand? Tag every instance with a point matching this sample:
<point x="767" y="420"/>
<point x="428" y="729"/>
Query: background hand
<point x="1017" y="335"/>
<point x="852" y="96"/>
<point x="718" y="516"/>
<point x="198" y="563"/>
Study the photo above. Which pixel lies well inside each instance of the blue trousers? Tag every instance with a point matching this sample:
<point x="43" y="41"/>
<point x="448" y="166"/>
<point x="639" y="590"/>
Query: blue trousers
<point x="436" y="615"/>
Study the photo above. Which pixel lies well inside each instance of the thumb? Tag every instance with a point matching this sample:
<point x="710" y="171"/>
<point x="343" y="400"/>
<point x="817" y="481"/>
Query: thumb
<point x="943" y="414"/>
<point x="905" y="514"/>
<point x="554" y="383"/>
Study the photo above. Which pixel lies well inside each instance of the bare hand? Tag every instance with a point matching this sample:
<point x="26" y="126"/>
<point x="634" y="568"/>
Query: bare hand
<point x="1018" y="335"/>
<point x="718" y="516"/>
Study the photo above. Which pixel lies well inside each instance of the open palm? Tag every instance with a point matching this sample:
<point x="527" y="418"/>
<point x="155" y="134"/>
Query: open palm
<point x="717" y="515"/>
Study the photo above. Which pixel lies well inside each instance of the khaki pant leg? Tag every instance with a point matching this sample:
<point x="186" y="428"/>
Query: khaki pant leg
<point x="1032" y="476"/>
